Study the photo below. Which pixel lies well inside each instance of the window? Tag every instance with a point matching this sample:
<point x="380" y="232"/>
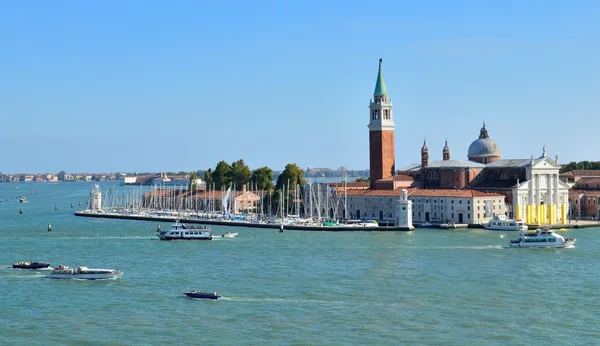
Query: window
<point x="433" y="175"/>
<point x="452" y="201"/>
<point x="442" y="215"/>
<point x="468" y="208"/>
<point x="403" y="208"/>
<point x="468" y="202"/>
<point x="460" y="202"/>
<point x="468" y="216"/>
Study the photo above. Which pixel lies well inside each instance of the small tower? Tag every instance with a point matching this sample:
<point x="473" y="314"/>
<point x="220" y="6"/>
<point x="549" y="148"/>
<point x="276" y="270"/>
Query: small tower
<point x="95" y="198"/>
<point x="404" y="212"/>
<point x="446" y="152"/>
<point x="381" y="133"/>
<point x="424" y="155"/>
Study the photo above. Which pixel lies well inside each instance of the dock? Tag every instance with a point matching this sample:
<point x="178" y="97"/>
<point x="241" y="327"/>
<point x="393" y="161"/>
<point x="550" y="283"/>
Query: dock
<point x="338" y="228"/>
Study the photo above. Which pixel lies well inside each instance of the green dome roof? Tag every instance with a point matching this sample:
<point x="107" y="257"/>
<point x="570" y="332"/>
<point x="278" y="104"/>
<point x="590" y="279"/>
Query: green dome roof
<point x="380" y="88"/>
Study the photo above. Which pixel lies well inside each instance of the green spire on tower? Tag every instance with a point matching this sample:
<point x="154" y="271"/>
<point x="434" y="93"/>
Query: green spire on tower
<point x="380" y="88"/>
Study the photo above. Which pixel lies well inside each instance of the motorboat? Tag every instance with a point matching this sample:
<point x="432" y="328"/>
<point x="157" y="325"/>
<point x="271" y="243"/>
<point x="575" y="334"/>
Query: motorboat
<point x="30" y="265"/>
<point x="229" y="235"/>
<point x="84" y="273"/>
<point x="448" y="225"/>
<point x="503" y="223"/>
<point x="426" y="224"/>
<point x="23" y="200"/>
<point x="362" y="223"/>
<point x="180" y="231"/>
<point x="541" y="238"/>
<point x="203" y="295"/>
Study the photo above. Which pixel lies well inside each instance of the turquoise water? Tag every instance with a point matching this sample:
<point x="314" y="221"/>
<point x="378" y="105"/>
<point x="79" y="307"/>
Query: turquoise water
<point x="427" y="287"/>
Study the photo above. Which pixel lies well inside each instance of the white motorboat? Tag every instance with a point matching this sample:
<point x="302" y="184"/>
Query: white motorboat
<point x="180" y="231"/>
<point x="425" y="224"/>
<point x="541" y="239"/>
<point x="229" y="235"/>
<point x="502" y="223"/>
<point x="84" y="273"/>
<point x="448" y="225"/>
<point x="362" y="223"/>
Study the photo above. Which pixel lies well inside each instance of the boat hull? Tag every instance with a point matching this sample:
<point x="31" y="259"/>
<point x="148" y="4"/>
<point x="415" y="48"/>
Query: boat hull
<point x="32" y="265"/>
<point x="175" y="237"/>
<point x="533" y="245"/>
<point x="202" y="295"/>
<point x="87" y="274"/>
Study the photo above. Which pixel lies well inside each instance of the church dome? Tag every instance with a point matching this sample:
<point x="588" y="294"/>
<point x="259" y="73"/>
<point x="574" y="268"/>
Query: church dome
<point x="483" y="147"/>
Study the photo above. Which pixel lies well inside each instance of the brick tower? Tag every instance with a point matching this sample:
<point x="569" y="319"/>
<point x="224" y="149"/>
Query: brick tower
<point x="381" y="133"/>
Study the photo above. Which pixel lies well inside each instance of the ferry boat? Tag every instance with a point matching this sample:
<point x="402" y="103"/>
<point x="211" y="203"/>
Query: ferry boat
<point x="30" y="265"/>
<point x="202" y="295"/>
<point x="181" y="231"/>
<point x="541" y="238"/>
<point x="502" y="223"/>
<point x="85" y="273"/>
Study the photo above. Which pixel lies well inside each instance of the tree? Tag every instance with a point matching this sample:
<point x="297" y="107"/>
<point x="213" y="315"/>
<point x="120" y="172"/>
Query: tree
<point x="262" y="178"/>
<point x="363" y="180"/>
<point x="240" y="174"/>
<point x="222" y="175"/>
<point x="61" y="175"/>
<point x="193" y="181"/>
<point x="292" y="175"/>
<point x="208" y="177"/>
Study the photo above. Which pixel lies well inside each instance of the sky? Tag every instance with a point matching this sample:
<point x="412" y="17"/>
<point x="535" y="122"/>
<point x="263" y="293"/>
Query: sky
<point x="149" y="86"/>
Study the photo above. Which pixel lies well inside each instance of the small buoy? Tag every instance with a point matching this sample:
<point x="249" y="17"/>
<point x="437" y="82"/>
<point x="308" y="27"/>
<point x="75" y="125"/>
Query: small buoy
<point x="21" y="211"/>
<point x="49" y="228"/>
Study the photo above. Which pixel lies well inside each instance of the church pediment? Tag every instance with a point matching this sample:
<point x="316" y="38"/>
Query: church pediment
<point x="545" y="163"/>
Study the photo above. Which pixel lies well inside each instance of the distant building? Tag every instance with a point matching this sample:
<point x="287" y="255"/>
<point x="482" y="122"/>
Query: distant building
<point x="584" y="196"/>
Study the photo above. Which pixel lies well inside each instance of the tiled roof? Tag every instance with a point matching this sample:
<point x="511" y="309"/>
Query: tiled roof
<point x="511" y="163"/>
<point x="584" y="173"/>
<point x="411" y="167"/>
<point x="414" y="192"/>
<point x="455" y="164"/>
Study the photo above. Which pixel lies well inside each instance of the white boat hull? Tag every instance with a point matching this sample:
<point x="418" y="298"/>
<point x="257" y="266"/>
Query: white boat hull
<point x="542" y="245"/>
<point x="86" y="275"/>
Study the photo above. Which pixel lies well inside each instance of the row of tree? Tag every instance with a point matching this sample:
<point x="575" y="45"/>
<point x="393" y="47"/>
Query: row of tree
<point x="582" y="165"/>
<point x="238" y="174"/>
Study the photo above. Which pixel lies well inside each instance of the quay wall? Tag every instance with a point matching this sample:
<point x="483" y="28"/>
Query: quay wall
<point x="242" y="224"/>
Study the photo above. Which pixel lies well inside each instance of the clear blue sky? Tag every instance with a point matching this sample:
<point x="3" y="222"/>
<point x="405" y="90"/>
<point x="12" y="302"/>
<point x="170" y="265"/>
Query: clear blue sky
<point x="110" y="86"/>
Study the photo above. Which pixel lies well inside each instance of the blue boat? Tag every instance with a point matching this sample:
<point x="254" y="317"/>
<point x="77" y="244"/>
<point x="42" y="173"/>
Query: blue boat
<point x="202" y="295"/>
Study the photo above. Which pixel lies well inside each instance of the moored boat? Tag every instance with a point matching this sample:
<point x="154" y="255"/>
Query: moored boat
<point x="85" y="273"/>
<point x="30" y="265"/>
<point x="229" y="235"/>
<point x="503" y="223"/>
<point x="541" y="238"/>
<point x="181" y="231"/>
<point x="202" y="295"/>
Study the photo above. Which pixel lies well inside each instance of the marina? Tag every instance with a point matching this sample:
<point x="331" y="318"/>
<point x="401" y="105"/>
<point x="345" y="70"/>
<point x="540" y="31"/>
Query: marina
<point x="340" y="281"/>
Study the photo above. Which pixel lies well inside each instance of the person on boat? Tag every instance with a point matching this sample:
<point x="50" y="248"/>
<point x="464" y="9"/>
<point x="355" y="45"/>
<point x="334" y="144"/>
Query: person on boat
<point x="214" y="293"/>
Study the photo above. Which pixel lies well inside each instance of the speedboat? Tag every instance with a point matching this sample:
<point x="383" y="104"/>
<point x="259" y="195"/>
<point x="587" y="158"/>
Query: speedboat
<point x="426" y="224"/>
<point x="448" y="225"/>
<point x="30" y="265"/>
<point x="361" y="223"/>
<point x="202" y="295"/>
<point x="181" y="231"/>
<point x="541" y="238"/>
<point x="502" y="223"/>
<point x="64" y="272"/>
<point x="229" y="235"/>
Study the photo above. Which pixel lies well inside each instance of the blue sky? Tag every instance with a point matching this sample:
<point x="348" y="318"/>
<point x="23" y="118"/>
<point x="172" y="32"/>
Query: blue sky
<point x="167" y="86"/>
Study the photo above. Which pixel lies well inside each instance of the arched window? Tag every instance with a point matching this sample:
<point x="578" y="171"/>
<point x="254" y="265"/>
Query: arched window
<point x="433" y="175"/>
<point x="503" y="176"/>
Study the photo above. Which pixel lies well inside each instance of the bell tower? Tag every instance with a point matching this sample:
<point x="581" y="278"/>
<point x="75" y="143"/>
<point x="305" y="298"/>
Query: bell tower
<point x="381" y="133"/>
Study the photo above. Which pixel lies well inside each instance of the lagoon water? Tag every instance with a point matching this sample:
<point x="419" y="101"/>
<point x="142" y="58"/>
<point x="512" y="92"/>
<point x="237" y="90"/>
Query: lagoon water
<point x="427" y="287"/>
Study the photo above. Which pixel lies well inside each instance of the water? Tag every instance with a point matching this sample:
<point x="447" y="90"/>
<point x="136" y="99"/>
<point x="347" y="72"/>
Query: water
<point x="428" y="287"/>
